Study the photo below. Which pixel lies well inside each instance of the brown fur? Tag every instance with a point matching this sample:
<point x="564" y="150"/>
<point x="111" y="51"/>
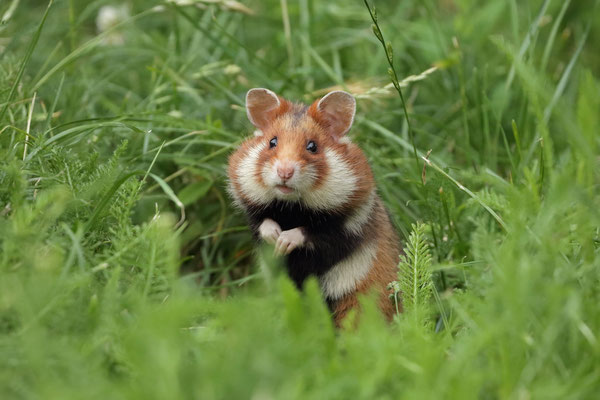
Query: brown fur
<point x="292" y="133"/>
<point x="294" y="125"/>
<point x="381" y="274"/>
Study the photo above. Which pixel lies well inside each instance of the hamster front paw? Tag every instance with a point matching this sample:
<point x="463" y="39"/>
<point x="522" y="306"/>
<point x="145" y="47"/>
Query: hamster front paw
<point x="269" y="231"/>
<point x="289" y="240"/>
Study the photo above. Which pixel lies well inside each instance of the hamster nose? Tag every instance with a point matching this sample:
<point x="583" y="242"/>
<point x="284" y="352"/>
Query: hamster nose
<point x="285" y="171"/>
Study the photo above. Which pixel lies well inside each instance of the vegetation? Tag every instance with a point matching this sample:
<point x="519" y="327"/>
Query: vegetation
<point x="125" y="272"/>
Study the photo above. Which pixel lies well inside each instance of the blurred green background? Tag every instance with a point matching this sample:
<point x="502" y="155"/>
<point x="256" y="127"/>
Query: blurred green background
<point x="125" y="271"/>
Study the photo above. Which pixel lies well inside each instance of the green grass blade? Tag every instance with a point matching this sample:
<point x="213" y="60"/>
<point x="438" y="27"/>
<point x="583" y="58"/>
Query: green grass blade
<point x="30" y="49"/>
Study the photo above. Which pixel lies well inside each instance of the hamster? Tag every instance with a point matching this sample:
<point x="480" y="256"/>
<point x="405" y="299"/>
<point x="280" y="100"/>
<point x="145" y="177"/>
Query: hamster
<point x="307" y="189"/>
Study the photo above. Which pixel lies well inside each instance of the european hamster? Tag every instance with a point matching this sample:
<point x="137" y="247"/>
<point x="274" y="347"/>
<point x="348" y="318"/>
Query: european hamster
<point x="306" y="188"/>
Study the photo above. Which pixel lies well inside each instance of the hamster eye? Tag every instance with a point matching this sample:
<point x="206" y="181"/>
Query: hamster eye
<point x="273" y="142"/>
<point x="311" y="146"/>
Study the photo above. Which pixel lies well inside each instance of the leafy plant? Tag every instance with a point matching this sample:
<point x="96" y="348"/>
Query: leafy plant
<point x="414" y="285"/>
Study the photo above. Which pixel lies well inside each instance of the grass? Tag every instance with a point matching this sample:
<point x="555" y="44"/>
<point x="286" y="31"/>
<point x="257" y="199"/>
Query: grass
<point x="125" y="272"/>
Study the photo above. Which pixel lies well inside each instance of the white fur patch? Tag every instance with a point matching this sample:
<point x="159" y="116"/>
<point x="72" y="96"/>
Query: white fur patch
<point x="339" y="185"/>
<point x="271" y="179"/>
<point x="246" y="172"/>
<point x="345" y="275"/>
<point x="355" y="223"/>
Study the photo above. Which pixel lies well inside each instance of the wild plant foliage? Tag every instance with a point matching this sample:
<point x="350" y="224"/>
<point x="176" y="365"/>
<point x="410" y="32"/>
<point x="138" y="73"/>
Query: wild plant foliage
<point x="414" y="286"/>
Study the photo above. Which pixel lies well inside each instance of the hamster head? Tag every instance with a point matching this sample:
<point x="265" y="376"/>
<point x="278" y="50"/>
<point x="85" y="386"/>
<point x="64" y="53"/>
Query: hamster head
<point x="298" y="153"/>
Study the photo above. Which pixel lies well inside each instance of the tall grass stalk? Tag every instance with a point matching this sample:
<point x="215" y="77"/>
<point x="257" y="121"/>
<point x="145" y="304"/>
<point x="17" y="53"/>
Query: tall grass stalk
<point x="389" y="53"/>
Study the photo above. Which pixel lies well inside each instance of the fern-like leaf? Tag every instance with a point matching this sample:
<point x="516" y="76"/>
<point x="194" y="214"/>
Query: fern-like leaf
<point x="414" y="272"/>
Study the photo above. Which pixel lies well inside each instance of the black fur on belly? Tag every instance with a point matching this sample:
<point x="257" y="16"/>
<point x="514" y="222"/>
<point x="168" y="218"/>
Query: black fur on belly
<point x="331" y="243"/>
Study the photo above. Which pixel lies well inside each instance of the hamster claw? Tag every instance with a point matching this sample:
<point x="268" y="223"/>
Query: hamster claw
<point x="269" y="231"/>
<point x="289" y="240"/>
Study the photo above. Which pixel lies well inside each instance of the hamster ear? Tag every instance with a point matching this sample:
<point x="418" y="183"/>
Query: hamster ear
<point x="262" y="106"/>
<point x="335" y="112"/>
